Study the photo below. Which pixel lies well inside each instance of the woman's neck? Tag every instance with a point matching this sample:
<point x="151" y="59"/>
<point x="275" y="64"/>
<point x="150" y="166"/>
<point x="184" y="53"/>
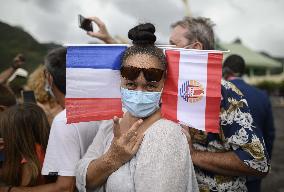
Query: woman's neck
<point x="128" y="120"/>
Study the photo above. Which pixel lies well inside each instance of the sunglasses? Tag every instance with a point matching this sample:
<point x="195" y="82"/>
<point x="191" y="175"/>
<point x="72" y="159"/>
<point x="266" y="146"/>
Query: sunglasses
<point x="150" y="74"/>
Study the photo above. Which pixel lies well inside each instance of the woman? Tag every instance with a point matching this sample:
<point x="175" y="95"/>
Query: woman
<point x="142" y="151"/>
<point x="25" y="132"/>
<point x="37" y="83"/>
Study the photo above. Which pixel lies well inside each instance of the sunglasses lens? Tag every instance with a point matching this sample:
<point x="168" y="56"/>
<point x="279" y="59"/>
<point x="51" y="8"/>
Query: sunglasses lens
<point x="153" y="74"/>
<point x="130" y="73"/>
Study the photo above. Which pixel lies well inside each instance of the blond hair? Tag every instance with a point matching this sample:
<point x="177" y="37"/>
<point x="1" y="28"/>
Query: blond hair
<point x="36" y="82"/>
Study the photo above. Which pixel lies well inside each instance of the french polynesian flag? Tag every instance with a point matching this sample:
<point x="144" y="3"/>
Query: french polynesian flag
<point x="93" y="82"/>
<point x="192" y="91"/>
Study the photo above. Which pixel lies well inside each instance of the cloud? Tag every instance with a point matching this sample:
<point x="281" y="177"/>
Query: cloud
<point x="257" y="22"/>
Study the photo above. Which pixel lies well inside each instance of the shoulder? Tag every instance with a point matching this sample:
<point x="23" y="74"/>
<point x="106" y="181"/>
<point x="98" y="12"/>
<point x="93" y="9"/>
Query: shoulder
<point x="232" y="97"/>
<point x="164" y="126"/>
<point x="105" y="128"/>
<point x="60" y="117"/>
<point x="163" y="131"/>
<point x="60" y="126"/>
<point x="229" y="88"/>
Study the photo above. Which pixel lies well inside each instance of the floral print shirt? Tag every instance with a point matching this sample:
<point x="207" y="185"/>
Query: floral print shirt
<point x="238" y="134"/>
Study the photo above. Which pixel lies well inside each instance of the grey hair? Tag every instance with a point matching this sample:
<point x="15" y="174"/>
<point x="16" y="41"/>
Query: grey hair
<point x="199" y="29"/>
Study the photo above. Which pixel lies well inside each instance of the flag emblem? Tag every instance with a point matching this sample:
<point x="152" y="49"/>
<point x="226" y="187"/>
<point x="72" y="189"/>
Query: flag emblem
<point x="191" y="91"/>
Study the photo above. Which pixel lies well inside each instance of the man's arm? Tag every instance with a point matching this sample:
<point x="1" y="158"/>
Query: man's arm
<point x="224" y="163"/>
<point x="62" y="184"/>
<point x="227" y="163"/>
<point x="6" y="74"/>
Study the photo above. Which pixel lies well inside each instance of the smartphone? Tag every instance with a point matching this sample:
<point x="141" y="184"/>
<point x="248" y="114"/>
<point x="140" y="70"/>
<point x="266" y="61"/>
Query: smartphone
<point x="28" y="97"/>
<point x="85" y="23"/>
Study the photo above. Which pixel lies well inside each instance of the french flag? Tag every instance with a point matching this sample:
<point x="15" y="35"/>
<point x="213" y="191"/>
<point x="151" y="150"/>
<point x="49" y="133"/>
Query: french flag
<point x="192" y="91"/>
<point x="93" y="82"/>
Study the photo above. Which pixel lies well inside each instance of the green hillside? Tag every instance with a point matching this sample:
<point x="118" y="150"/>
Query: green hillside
<point x="15" y="40"/>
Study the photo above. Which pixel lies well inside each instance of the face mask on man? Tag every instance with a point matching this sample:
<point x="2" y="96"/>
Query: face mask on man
<point x="48" y="89"/>
<point x="140" y="104"/>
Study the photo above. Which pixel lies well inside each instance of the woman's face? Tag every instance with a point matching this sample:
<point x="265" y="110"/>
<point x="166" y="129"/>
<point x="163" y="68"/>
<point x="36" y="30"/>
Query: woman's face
<point x="142" y="72"/>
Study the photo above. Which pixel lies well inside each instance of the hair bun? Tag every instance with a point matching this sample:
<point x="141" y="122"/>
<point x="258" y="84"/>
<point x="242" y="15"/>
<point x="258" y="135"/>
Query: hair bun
<point x="143" y="34"/>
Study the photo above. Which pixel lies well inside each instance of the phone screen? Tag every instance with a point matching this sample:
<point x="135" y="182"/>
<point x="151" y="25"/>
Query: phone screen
<point x="28" y="97"/>
<point x="85" y="23"/>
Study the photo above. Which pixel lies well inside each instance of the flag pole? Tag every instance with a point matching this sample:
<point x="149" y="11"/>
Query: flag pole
<point x="187" y="10"/>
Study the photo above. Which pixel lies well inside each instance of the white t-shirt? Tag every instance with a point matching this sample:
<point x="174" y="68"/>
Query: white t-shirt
<point x="67" y="144"/>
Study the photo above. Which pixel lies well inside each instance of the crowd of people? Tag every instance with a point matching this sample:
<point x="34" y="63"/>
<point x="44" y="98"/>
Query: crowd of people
<point x="142" y="151"/>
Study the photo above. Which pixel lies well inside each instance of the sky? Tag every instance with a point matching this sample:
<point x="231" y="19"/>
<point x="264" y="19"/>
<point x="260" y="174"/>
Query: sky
<point x="258" y="23"/>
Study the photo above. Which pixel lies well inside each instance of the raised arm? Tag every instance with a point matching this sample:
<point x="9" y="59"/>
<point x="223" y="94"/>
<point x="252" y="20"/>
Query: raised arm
<point x="18" y="61"/>
<point x="102" y="34"/>
<point x="63" y="184"/>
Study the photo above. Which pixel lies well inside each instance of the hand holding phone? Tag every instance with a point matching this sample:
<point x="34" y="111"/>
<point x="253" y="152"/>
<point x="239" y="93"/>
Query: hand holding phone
<point x="101" y="33"/>
<point x="18" y="61"/>
<point x="85" y="23"/>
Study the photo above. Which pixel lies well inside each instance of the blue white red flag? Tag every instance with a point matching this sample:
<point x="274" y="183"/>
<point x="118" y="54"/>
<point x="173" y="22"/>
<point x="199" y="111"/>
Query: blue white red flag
<point x="93" y="82"/>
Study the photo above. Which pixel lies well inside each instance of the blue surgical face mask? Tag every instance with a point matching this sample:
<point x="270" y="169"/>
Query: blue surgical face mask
<point x="48" y="89"/>
<point x="140" y="103"/>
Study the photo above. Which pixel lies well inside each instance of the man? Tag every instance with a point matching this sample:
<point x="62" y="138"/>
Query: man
<point x="222" y="161"/>
<point x="67" y="142"/>
<point x="258" y="101"/>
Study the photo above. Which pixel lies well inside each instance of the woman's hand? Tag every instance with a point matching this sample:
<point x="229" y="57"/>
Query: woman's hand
<point x="102" y="33"/>
<point x="124" y="146"/>
<point x="18" y="61"/>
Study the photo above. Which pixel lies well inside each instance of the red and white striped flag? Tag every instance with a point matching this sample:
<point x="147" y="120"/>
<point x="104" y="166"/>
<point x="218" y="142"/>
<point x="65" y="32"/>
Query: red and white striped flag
<point x="192" y="91"/>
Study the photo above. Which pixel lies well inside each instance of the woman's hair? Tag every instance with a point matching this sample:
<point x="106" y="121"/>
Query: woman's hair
<point x="143" y="39"/>
<point x="23" y="126"/>
<point x="36" y="82"/>
<point x="7" y="98"/>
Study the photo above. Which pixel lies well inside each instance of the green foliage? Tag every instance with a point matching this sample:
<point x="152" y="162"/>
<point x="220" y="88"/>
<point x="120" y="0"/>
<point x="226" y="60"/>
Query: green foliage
<point x="271" y="87"/>
<point x="281" y="88"/>
<point x="14" y="40"/>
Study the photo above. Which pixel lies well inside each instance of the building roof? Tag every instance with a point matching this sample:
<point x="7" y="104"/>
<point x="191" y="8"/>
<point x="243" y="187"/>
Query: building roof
<point x="252" y="58"/>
